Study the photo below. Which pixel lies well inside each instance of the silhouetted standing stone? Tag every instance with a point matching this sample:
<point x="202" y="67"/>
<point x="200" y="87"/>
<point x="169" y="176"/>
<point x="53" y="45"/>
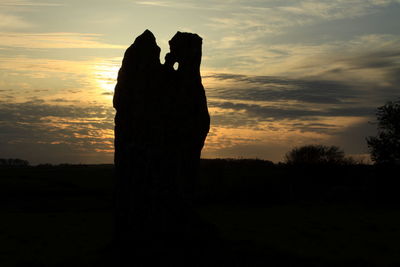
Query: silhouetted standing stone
<point x="161" y="124"/>
<point x="190" y="120"/>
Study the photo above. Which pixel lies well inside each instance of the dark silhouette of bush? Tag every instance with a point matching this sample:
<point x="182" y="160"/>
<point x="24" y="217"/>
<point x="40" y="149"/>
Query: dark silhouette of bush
<point x="316" y="154"/>
<point x="385" y="147"/>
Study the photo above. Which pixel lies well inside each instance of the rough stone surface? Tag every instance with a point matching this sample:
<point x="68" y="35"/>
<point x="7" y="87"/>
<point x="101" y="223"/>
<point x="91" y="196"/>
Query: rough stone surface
<point x="161" y="124"/>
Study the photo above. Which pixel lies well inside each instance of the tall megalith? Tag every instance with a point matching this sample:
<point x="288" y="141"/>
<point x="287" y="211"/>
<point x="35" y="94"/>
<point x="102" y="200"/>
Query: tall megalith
<point x="161" y="124"/>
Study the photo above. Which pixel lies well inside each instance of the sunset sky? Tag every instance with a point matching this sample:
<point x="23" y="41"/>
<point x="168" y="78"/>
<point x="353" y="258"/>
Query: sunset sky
<point x="277" y="73"/>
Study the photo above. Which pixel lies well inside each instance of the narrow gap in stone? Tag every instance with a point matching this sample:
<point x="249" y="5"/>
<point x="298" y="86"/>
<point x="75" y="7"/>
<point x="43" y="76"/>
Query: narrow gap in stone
<point x="176" y="66"/>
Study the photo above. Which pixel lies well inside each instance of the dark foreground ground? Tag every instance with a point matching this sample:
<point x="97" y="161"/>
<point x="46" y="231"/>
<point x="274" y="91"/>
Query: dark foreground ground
<point x="266" y="215"/>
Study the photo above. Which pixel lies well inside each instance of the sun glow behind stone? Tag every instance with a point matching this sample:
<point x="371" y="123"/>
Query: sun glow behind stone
<point x="105" y="76"/>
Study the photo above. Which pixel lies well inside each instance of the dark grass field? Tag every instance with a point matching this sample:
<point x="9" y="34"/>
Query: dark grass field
<point x="266" y="215"/>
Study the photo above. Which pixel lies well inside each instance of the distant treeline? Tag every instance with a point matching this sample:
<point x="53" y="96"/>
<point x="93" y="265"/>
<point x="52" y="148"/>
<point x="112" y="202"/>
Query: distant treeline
<point x="13" y="163"/>
<point x="242" y="181"/>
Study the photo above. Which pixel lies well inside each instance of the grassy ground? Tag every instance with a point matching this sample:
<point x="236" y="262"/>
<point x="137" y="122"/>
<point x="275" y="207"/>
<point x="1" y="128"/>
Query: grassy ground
<point x="327" y="234"/>
<point x="61" y="216"/>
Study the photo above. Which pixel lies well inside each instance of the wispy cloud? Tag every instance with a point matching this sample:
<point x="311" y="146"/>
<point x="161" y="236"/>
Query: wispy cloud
<point x="280" y="97"/>
<point x="38" y="68"/>
<point x="269" y="113"/>
<point x="203" y="5"/>
<point x="83" y="131"/>
<point x="249" y="24"/>
<point x="269" y="88"/>
<point x="12" y="22"/>
<point x="99" y="66"/>
<point x="335" y="9"/>
<point x="290" y="13"/>
<point x="84" y="80"/>
<point x="367" y="58"/>
<point x="12" y="11"/>
<point x="154" y="3"/>
<point x="27" y="3"/>
<point x="278" y="111"/>
<point x="54" y="40"/>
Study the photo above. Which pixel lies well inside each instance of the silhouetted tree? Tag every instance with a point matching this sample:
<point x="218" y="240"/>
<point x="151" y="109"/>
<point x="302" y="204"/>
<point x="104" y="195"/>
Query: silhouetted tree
<point x="385" y="147"/>
<point x="316" y="154"/>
